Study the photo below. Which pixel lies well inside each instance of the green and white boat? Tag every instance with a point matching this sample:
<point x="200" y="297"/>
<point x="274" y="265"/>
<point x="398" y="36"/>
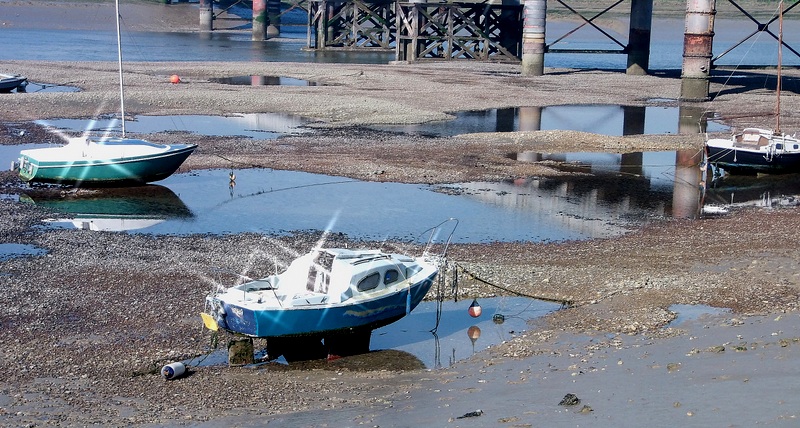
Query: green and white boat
<point x="104" y="161"/>
<point x="88" y="161"/>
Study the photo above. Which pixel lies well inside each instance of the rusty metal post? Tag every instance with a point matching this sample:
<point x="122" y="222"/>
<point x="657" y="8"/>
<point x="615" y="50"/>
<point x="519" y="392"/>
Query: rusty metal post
<point x="206" y="15"/>
<point x="259" y="20"/>
<point x="639" y="37"/>
<point x="533" y="42"/>
<point x="697" y="43"/>
<point x="273" y="18"/>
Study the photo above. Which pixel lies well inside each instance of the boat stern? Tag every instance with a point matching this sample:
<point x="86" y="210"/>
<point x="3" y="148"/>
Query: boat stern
<point x="26" y="167"/>
<point x="227" y="316"/>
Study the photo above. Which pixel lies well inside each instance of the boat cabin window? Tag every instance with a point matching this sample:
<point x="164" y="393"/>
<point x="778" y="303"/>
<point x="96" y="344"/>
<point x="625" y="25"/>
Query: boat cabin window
<point x="369" y="282"/>
<point x="390" y="276"/>
<point x="778" y="146"/>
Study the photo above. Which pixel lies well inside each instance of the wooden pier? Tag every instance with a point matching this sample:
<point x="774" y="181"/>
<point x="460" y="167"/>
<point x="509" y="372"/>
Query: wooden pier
<point x="497" y="30"/>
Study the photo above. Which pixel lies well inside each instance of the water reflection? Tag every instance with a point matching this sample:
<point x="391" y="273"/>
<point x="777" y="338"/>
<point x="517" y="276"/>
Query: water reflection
<point x="612" y="189"/>
<point x="412" y="345"/>
<point x="82" y="45"/>
<point x="768" y="191"/>
<point x="603" y="119"/>
<point x="263" y="81"/>
<point x="49" y="87"/>
<point x="260" y="126"/>
<point x="609" y="195"/>
<point x="456" y="337"/>
<point x="111" y="209"/>
<point x="9" y="251"/>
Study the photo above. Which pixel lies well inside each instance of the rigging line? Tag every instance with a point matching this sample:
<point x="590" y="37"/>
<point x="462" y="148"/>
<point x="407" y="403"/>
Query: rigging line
<point x="439" y="300"/>
<point x="741" y="60"/>
<point x="141" y="54"/>
<point x="253" y="165"/>
<point x="563" y="302"/>
<point x="518" y="313"/>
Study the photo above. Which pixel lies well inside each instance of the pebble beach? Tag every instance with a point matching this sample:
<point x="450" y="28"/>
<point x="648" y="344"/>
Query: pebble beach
<point x="89" y="323"/>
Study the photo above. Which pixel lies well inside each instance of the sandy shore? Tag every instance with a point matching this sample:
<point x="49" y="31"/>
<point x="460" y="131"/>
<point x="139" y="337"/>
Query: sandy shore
<point x="88" y="325"/>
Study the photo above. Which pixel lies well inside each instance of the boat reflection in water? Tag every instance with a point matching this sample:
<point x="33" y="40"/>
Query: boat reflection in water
<point x="111" y="209"/>
<point x="768" y="191"/>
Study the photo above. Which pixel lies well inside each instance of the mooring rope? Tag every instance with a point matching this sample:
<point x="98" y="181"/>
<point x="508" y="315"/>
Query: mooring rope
<point x="563" y="302"/>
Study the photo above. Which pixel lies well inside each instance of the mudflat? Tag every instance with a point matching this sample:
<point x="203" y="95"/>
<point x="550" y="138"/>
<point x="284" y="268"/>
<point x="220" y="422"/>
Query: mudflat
<point x="89" y="324"/>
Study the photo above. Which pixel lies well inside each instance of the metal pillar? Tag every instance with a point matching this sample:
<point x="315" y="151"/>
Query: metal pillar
<point x="259" y="20"/>
<point x="639" y="37"/>
<point x="273" y="18"/>
<point x="206" y="15"/>
<point x="533" y="42"/>
<point x="697" y="43"/>
<point x="633" y="120"/>
<point x="688" y="184"/>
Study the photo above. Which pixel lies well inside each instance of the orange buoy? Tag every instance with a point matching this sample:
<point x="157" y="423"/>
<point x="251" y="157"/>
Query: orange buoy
<point x="475" y="309"/>
<point x="175" y="79"/>
<point x="474" y="333"/>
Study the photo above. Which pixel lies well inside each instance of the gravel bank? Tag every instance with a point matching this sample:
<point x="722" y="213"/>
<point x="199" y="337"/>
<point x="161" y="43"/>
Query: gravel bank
<point x="88" y="325"/>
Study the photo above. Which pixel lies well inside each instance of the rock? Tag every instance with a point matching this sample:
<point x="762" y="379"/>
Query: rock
<point x="570" y="400"/>
<point x="471" y="414"/>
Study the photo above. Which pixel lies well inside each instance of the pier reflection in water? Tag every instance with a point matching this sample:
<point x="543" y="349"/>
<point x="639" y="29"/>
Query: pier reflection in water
<point x="616" y="197"/>
<point x="605" y="119"/>
<point x="630" y="185"/>
<point x="615" y="193"/>
<point x="256" y="80"/>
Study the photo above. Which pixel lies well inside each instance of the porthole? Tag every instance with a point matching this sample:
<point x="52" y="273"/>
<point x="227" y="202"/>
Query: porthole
<point x="369" y="282"/>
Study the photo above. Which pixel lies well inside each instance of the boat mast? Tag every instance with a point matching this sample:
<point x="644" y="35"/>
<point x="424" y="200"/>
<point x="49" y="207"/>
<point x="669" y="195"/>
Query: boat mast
<point x="780" y="53"/>
<point x="119" y="65"/>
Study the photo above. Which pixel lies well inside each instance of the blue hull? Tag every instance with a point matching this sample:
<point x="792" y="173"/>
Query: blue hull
<point x="325" y="319"/>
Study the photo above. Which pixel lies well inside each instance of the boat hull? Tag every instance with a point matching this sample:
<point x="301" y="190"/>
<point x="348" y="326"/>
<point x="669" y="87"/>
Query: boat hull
<point x="740" y="161"/>
<point x="10" y="82"/>
<point x="103" y="172"/>
<point x="325" y="319"/>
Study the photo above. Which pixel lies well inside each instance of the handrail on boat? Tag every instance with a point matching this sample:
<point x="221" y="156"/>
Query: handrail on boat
<point x="434" y="232"/>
